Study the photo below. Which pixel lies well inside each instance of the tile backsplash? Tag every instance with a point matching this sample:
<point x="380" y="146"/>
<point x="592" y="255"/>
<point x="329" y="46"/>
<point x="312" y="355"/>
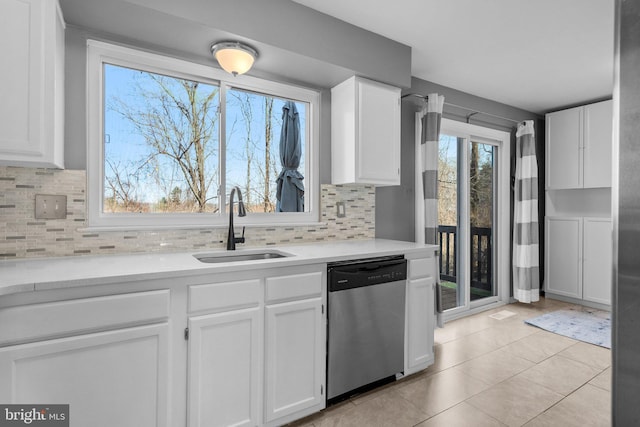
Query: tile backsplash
<point x="23" y="236"/>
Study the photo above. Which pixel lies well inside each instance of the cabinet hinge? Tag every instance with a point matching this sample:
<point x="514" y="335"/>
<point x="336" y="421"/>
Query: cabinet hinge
<point x="322" y="308"/>
<point x="321" y="390"/>
<point x="186" y="333"/>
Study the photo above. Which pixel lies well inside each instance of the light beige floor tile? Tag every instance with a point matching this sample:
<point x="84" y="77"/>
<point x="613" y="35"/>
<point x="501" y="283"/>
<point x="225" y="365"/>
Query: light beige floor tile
<point x="539" y="346"/>
<point x="603" y="380"/>
<point x="384" y="410"/>
<point x="435" y="393"/>
<point x="462" y="415"/>
<point x="335" y="410"/>
<point x="560" y="374"/>
<point x="462" y="327"/>
<point x="589" y="354"/>
<point x="475" y="350"/>
<point x="588" y="406"/>
<point x="507" y="332"/>
<point x="494" y="367"/>
<point x="460" y="350"/>
<point x="515" y="401"/>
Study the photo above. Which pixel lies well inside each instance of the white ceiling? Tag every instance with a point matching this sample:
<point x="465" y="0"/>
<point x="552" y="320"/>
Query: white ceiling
<point x="538" y="55"/>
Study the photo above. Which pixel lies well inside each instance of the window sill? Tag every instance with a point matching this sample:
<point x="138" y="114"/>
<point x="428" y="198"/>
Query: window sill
<point x="237" y="224"/>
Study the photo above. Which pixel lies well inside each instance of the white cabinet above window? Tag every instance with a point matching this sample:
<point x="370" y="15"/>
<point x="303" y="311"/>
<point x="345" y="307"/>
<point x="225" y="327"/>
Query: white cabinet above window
<point x="365" y="133"/>
<point x="32" y="83"/>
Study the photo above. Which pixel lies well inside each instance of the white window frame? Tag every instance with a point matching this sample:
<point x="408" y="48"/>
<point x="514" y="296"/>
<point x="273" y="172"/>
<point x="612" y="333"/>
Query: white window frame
<point x="99" y="53"/>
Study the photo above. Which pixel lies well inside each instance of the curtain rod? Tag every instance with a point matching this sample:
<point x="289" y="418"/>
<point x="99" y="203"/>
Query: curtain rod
<point x="473" y="112"/>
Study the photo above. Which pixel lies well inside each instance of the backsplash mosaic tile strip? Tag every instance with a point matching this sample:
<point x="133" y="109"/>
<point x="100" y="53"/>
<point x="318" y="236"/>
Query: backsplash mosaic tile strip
<point x="22" y="236"/>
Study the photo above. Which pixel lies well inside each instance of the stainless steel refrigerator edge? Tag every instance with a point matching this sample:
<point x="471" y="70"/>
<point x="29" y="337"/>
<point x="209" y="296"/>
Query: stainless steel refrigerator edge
<point x="626" y="217"/>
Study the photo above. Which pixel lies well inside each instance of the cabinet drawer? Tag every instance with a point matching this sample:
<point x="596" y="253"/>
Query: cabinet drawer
<point x="294" y="286"/>
<point x="421" y="267"/>
<point x="217" y="296"/>
<point x="41" y="321"/>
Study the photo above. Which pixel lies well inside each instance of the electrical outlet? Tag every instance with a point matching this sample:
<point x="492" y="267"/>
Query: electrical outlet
<point x="341" y="210"/>
<point x="51" y="206"/>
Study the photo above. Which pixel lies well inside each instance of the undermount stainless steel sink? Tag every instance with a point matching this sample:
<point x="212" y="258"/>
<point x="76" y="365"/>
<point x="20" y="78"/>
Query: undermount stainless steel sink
<point x="240" y="256"/>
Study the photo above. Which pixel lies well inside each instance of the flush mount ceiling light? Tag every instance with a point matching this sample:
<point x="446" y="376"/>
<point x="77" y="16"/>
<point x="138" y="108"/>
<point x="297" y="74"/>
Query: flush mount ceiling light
<point x="234" y="57"/>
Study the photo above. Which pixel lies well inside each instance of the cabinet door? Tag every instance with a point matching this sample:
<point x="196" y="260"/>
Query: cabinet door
<point x="295" y="359"/>
<point x="598" y="264"/>
<point x="564" y="256"/>
<point x="378" y="151"/>
<point x="420" y="312"/>
<point x="116" y="378"/>
<point x="598" y="144"/>
<point x="563" y="149"/>
<point x="31" y="83"/>
<point x="224" y="369"/>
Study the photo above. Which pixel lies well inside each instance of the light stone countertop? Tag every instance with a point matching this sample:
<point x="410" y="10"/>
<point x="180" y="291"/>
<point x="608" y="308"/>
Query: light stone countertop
<point x="38" y="274"/>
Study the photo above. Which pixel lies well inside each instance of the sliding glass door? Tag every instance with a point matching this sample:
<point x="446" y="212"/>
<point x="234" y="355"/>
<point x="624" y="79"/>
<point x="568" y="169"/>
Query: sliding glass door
<point x="469" y="214"/>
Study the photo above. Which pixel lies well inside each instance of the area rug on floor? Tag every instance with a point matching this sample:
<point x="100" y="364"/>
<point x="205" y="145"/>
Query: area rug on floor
<point x="592" y="326"/>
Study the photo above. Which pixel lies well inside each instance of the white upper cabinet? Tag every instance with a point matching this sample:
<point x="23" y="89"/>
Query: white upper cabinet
<point x="365" y="133"/>
<point x="31" y="83"/>
<point x="578" y="147"/>
<point x="598" y="141"/>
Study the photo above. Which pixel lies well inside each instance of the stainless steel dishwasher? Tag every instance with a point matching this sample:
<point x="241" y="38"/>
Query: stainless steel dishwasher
<point x="365" y="330"/>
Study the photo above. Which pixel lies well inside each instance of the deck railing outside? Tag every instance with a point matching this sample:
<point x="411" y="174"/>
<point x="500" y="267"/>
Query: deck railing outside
<point x="481" y="260"/>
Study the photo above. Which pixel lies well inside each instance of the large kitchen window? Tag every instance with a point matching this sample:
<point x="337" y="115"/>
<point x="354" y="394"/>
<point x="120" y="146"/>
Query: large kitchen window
<point x="169" y="139"/>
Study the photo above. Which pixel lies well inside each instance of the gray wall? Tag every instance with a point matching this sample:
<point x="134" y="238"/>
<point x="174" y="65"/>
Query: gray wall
<point x="75" y="100"/>
<point x="395" y="207"/>
<point x="297" y="45"/>
<point x="626" y="218"/>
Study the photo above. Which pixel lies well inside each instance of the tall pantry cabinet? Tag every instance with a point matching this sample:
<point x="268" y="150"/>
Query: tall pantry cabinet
<point x="578" y="232"/>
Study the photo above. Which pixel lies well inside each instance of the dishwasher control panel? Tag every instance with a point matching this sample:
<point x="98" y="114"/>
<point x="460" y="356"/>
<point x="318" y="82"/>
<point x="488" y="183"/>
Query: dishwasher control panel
<point x="367" y="272"/>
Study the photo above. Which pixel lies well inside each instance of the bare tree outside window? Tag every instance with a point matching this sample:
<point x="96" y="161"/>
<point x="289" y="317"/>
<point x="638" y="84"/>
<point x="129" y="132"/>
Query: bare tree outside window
<point x="163" y="143"/>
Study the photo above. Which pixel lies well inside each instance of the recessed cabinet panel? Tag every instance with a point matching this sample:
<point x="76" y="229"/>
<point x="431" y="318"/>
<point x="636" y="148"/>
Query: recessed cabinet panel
<point x="422" y="267"/>
<point x="598" y="141"/>
<point x="224" y="369"/>
<point x="32" y="83"/>
<point x="294" y="360"/>
<point x="563" y="256"/>
<point x="579" y="258"/>
<point x="225" y="295"/>
<point x="117" y="378"/>
<point x="420" y="320"/>
<point x="598" y="263"/>
<point x="54" y="319"/>
<point x="365" y="133"/>
<point x="378" y="129"/>
<point x="564" y="160"/>
<point x="579" y="144"/>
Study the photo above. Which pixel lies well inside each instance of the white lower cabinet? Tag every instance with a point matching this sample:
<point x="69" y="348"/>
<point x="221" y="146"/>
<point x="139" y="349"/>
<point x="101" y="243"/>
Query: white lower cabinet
<point x="254" y="355"/>
<point x="106" y="356"/>
<point x="419" y="324"/>
<point x="420" y="314"/>
<point x="563" y="264"/>
<point x="224" y="368"/>
<point x="597" y="260"/>
<point x="256" y="349"/>
<point x="579" y="258"/>
<point x="114" y="378"/>
<point x="294" y="359"/>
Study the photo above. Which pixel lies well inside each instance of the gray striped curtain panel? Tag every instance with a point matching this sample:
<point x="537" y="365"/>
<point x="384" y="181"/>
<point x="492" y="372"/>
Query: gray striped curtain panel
<point x="526" y="278"/>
